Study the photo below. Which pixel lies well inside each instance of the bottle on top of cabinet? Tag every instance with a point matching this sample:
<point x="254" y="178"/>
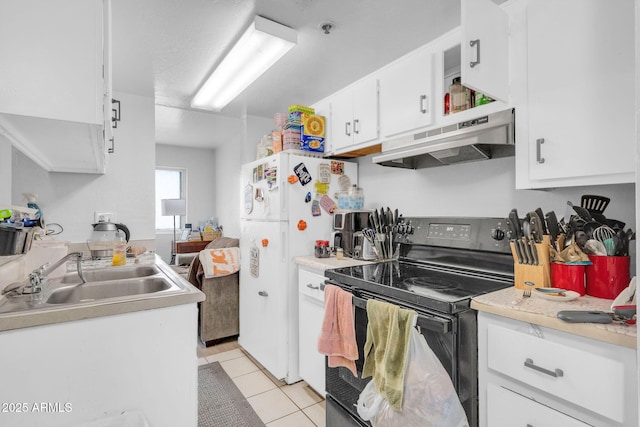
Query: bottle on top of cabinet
<point x="462" y="98"/>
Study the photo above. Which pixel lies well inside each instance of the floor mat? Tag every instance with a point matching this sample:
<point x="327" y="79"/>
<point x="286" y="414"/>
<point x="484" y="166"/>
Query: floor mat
<point x="220" y="403"/>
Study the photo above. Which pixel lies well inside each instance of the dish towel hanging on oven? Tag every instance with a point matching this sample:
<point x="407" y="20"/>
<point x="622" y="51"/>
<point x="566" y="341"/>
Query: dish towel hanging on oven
<point x="338" y="335"/>
<point x="385" y="351"/>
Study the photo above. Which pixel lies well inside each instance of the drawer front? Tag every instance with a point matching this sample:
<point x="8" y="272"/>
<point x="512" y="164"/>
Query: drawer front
<point x="577" y="376"/>
<point x="309" y="284"/>
<point x="509" y="409"/>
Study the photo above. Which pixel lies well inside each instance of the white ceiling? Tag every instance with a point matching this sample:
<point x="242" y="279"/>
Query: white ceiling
<point x="166" y="48"/>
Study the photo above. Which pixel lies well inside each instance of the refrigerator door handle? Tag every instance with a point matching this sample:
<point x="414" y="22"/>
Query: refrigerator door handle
<point x="283" y="248"/>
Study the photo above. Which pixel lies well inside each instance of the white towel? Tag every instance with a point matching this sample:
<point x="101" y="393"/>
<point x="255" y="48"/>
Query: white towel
<point x="219" y="262"/>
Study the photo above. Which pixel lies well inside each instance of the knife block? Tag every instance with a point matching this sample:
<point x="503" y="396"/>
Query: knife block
<point x="539" y="274"/>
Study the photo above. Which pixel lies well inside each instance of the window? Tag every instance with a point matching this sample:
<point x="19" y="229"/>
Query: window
<point x="170" y="184"/>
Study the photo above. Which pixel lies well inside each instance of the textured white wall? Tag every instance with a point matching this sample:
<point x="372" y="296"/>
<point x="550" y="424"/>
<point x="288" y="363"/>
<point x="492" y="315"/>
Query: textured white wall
<point x="126" y="189"/>
<point x="228" y="160"/>
<point x="484" y="188"/>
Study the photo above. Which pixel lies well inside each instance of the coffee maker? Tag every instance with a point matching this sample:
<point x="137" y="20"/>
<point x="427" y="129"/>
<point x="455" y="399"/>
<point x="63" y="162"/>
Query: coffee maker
<point x="347" y="225"/>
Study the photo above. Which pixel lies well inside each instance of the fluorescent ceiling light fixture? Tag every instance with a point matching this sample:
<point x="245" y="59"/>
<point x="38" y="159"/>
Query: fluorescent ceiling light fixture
<point x="261" y="45"/>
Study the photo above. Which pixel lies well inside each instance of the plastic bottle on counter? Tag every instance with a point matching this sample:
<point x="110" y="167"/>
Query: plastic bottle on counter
<point x="119" y="252"/>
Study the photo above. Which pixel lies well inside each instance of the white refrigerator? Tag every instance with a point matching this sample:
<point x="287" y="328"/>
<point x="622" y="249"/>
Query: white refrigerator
<point x="287" y="203"/>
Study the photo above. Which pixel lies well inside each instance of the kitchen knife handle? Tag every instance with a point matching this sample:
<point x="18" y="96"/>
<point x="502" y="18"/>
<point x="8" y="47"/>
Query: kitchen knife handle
<point x="556" y="373"/>
<point x="534" y="252"/>
<point x="526" y="251"/>
<point x="516" y="248"/>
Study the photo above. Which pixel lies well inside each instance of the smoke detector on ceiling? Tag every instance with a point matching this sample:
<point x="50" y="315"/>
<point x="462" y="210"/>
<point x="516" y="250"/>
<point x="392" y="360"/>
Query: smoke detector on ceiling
<point x="326" y="27"/>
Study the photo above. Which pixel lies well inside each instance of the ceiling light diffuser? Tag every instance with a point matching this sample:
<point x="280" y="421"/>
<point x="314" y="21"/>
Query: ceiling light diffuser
<point x="261" y="45"/>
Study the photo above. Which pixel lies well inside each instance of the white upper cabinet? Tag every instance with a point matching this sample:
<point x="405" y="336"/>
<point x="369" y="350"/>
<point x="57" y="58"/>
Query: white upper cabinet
<point x="354" y="116"/>
<point x="485" y="48"/>
<point x="406" y="94"/>
<point x="579" y="122"/>
<point x="55" y="91"/>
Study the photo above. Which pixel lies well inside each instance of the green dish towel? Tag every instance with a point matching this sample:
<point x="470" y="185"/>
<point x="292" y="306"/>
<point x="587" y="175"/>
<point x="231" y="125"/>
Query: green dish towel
<point x="385" y="351"/>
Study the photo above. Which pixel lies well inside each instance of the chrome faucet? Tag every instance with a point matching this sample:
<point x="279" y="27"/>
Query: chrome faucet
<point x="36" y="277"/>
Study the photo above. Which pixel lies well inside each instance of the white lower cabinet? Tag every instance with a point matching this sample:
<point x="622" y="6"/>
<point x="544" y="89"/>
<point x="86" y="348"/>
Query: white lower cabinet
<point x="311" y="315"/>
<point x="534" y="376"/>
<point x="508" y="409"/>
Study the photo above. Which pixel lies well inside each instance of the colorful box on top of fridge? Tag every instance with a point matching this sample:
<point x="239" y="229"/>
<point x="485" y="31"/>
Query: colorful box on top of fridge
<point x="312" y="133"/>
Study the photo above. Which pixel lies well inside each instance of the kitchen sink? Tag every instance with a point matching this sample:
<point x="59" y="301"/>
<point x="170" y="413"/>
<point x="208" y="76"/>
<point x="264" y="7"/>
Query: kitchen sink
<point x="93" y="291"/>
<point x="110" y="273"/>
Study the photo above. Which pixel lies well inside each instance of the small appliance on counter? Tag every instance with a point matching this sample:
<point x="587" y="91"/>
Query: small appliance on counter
<point x="105" y="237"/>
<point x="346" y="223"/>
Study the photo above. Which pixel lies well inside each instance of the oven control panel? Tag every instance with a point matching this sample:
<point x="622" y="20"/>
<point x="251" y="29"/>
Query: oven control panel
<point x="486" y="234"/>
<point x="449" y="231"/>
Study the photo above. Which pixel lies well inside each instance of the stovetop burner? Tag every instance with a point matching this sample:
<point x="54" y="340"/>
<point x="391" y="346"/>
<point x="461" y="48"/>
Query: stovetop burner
<point x="442" y="284"/>
<point x="446" y="290"/>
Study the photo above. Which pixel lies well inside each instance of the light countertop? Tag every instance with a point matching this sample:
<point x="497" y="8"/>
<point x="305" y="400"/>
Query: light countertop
<point x="51" y="314"/>
<point x="537" y="310"/>
<point x="328" y="263"/>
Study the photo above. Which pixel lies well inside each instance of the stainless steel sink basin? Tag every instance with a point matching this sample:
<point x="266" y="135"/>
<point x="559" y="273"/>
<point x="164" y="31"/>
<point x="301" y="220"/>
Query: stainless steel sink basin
<point x="93" y="291"/>
<point x="111" y="273"/>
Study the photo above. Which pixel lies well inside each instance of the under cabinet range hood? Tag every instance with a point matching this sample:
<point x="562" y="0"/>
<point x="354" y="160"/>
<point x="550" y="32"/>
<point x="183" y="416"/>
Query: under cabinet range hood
<point x="482" y="138"/>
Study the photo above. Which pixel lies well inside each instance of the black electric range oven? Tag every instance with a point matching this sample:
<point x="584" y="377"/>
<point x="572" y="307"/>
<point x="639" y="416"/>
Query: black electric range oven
<point x="442" y="265"/>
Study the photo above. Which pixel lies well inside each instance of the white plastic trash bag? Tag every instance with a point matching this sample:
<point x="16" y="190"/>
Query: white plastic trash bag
<point x="429" y="398"/>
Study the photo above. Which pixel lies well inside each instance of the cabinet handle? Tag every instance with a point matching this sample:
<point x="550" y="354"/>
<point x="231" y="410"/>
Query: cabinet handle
<point x="475" y="43"/>
<point x="115" y="118"/>
<point x="355" y="126"/>
<point x="347" y="131"/>
<point x="555" y="373"/>
<point x="263" y="293"/>
<point x="112" y="149"/>
<point x="310" y="286"/>
<point x="539" y="143"/>
<point x="423" y="109"/>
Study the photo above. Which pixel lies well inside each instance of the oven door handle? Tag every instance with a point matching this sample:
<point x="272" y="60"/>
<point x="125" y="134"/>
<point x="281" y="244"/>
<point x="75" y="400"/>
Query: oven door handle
<point x="424" y="321"/>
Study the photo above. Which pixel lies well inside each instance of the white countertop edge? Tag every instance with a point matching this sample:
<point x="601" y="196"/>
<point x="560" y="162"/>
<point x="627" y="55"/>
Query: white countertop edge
<point x="328" y="263"/>
<point x="509" y="303"/>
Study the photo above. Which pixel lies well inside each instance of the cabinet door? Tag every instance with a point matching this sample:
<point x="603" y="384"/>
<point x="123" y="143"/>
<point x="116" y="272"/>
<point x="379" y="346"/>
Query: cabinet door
<point x="580" y="88"/>
<point x="365" y="111"/>
<point x="406" y="89"/>
<point x="507" y="409"/>
<point x="52" y="59"/>
<point x="342" y="119"/>
<point x="485" y="48"/>
<point x="311" y="315"/>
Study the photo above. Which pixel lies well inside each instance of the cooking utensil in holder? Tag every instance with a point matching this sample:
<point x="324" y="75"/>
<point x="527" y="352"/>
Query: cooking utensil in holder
<point x="539" y="274"/>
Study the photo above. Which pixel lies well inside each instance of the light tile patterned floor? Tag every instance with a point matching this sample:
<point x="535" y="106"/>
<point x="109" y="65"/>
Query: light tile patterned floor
<point x="277" y="404"/>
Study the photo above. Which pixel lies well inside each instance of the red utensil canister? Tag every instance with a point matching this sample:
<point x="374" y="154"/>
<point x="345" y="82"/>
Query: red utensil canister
<point x="568" y="276"/>
<point x="607" y="276"/>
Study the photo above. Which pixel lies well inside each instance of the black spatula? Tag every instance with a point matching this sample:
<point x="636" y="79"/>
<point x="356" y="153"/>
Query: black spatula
<point x="595" y="204"/>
